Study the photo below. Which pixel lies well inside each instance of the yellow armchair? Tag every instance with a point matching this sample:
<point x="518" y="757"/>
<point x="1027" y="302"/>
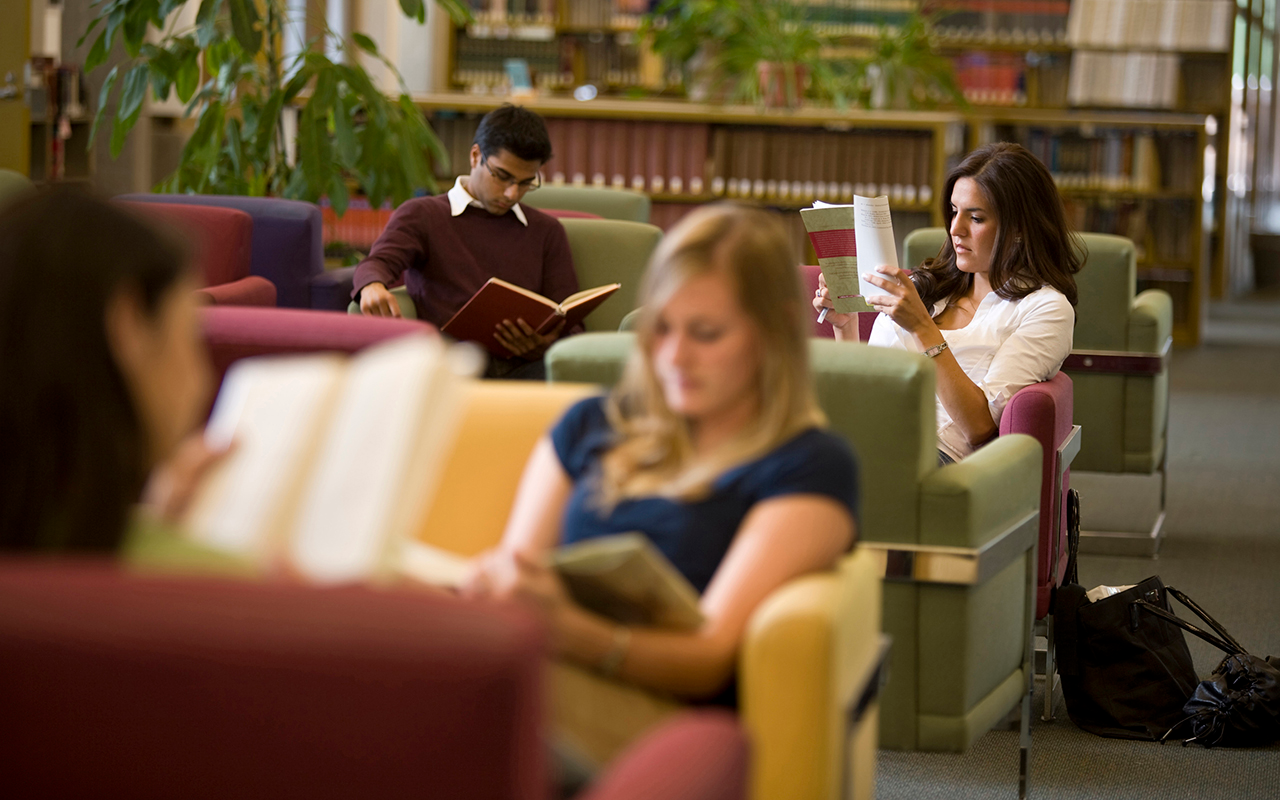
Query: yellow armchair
<point x="810" y="665"/>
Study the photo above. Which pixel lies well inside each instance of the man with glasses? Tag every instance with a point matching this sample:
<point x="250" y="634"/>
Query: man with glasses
<point x="447" y="246"/>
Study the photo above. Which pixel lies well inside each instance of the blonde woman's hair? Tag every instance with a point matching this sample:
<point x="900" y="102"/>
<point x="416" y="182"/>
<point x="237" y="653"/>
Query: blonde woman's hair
<point x="653" y="453"/>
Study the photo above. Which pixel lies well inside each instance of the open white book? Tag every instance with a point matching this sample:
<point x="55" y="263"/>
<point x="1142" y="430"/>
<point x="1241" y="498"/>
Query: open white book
<point x="335" y="458"/>
<point x="622" y="577"/>
<point x="850" y="242"/>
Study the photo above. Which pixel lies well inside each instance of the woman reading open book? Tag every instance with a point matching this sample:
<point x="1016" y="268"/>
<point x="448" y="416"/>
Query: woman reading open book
<point x="711" y="446"/>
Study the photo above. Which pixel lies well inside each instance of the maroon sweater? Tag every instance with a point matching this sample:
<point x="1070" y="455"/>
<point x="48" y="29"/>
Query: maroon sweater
<point x="446" y="259"/>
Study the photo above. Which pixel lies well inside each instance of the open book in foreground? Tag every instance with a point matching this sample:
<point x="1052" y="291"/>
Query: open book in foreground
<point x="336" y="457"/>
<point x="498" y="300"/>
<point x="622" y="577"/>
<point x="851" y="241"/>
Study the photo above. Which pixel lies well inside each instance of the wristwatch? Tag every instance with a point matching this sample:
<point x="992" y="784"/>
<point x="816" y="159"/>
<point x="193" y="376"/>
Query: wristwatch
<point x="936" y="350"/>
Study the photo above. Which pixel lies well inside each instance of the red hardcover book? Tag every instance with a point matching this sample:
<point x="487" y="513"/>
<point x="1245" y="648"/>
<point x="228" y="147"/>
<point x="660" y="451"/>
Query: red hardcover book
<point x="656" y="156"/>
<point x="576" y="165"/>
<point x="601" y="149"/>
<point x="498" y="300"/>
<point x="620" y="157"/>
<point x="677" y="157"/>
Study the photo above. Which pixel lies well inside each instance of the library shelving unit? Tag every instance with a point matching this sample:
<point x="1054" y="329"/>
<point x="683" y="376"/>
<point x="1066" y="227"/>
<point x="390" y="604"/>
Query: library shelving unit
<point x="684" y="154"/>
<point x="1136" y="174"/>
<point x="1123" y="99"/>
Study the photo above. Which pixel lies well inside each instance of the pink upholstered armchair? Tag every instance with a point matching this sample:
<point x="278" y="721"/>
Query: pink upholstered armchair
<point x="220" y="244"/>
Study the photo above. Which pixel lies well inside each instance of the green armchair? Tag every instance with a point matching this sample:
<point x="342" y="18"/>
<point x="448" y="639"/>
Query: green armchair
<point x="1120" y="369"/>
<point x="604" y="251"/>
<point x="956" y="544"/>
<point x="608" y="203"/>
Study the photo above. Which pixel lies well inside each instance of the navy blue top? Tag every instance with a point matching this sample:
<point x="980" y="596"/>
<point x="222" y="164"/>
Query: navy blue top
<point x="696" y="535"/>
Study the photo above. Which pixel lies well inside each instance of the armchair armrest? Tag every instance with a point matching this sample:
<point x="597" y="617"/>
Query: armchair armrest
<point x="810" y="652"/>
<point x="698" y="755"/>
<point x="250" y="291"/>
<point x="1150" y="321"/>
<point x="966" y="503"/>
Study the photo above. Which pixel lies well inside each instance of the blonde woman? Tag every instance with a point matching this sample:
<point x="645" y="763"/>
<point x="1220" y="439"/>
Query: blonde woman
<point x="712" y="446"/>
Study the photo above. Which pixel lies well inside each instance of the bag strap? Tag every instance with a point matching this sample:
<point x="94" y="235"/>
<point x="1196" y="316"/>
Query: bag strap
<point x="1073" y="537"/>
<point x="1204" y="615"/>
<point x="1226" y="647"/>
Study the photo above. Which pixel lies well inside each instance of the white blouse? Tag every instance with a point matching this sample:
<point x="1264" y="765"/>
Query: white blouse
<point x="1008" y="345"/>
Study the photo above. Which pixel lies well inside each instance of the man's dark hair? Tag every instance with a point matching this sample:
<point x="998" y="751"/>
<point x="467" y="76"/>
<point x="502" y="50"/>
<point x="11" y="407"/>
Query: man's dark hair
<point x="517" y="130"/>
<point x="75" y="451"/>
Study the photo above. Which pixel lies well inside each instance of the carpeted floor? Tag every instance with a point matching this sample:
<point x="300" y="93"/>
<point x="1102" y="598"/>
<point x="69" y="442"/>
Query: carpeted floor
<point x="1222" y="547"/>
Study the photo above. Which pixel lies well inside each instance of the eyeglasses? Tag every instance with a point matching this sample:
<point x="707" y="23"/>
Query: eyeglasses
<point x="506" y="179"/>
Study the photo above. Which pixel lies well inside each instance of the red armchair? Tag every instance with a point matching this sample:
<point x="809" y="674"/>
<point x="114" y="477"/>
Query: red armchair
<point x="220" y="240"/>
<point x="119" y="685"/>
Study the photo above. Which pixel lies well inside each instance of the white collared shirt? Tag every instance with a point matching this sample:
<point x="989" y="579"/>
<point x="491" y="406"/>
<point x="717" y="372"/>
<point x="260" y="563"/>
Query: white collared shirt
<point x="460" y="198"/>
<point x="1008" y="345"/>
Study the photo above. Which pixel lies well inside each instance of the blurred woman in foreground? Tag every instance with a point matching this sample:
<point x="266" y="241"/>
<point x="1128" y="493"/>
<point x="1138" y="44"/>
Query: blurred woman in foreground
<point x="711" y="446"/>
<point x="103" y="368"/>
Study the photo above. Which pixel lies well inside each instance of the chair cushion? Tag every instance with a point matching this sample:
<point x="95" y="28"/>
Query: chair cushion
<point x="611" y="251"/>
<point x="607" y="203"/>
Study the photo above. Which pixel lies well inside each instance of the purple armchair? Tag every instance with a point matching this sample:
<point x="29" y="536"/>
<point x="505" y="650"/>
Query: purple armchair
<point x="287" y="244"/>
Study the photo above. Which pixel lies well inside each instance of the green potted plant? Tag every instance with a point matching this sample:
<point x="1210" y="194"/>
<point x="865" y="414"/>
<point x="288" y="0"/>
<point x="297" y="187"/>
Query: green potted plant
<point x="757" y="50"/>
<point x="905" y="71"/>
<point x="231" y="71"/>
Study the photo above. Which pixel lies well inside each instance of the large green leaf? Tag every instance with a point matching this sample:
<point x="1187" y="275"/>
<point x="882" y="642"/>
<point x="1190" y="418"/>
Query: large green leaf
<point x="137" y="17"/>
<point x="188" y="74"/>
<point x="344" y="133"/>
<point x="207" y="22"/>
<point x="133" y="91"/>
<point x="167" y="7"/>
<point x="414" y="9"/>
<point x="97" y="53"/>
<point x="103" y="96"/>
<point x="268" y="123"/>
<point x="338" y="197"/>
<point x="235" y="148"/>
<point x="93" y="23"/>
<point x="244" y="21"/>
<point x="366" y="44"/>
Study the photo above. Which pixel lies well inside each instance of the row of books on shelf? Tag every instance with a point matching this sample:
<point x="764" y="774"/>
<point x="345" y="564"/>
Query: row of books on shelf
<point x="1184" y="25"/>
<point x="702" y="160"/>
<point x="1028" y="22"/>
<point x="1117" y="160"/>
<point x="556" y="63"/>
<point x="1013" y="78"/>
<point x="1161" y="232"/>
<point x="1124" y="80"/>
<point x="783" y="164"/>
<point x="567" y="13"/>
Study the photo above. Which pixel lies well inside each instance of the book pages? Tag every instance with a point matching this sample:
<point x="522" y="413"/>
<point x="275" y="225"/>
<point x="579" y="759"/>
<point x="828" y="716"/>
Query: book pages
<point x="371" y="465"/>
<point x="874" y="232"/>
<point x="272" y="408"/>
<point x="851" y="241"/>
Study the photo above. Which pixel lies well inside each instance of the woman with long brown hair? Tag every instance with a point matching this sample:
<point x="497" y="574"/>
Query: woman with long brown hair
<point x="995" y="309"/>
<point x="711" y="446"/>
